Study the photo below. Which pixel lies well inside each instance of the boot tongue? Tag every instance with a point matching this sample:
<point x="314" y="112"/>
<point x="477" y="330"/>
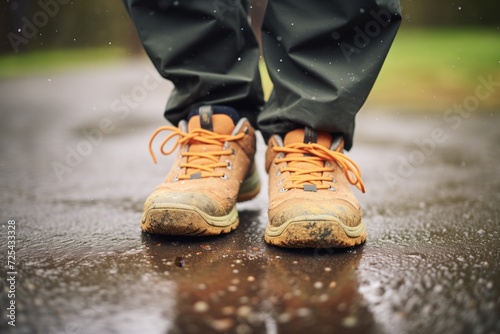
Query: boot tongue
<point x="307" y="136"/>
<point x="218" y="119"/>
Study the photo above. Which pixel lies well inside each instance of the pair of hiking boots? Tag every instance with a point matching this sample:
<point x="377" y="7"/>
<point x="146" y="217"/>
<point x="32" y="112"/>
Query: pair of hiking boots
<point x="310" y="201"/>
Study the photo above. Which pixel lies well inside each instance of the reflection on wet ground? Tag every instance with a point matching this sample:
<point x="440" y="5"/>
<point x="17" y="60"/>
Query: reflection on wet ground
<point x="83" y="266"/>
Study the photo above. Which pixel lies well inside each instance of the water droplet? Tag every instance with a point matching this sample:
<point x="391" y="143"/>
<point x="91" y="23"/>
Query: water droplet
<point x="284" y="317"/>
<point x="350" y="321"/>
<point x="303" y="312"/>
<point x="200" y="306"/>
<point x="179" y="261"/>
<point x="244" y="311"/>
<point x="438" y="288"/>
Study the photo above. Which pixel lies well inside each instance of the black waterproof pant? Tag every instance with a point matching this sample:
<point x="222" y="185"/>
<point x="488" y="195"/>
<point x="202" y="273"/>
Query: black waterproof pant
<point x="323" y="57"/>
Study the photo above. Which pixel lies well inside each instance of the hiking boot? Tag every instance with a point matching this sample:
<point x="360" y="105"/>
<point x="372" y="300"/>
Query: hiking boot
<point x="310" y="201"/>
<point x="213" y="170"/>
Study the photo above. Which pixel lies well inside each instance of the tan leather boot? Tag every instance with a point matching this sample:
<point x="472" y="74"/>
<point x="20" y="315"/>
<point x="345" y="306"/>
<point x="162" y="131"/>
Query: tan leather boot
<point x="214" y="169"/>
<point x="310" y="201"/>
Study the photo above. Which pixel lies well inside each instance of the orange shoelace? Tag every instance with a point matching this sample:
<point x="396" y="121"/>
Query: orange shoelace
<point x="316" y="155"/>
<point x="197" y="136"/>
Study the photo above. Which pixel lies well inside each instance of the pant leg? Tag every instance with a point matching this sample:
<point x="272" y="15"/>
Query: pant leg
<point x="323" y="57"/>
<point x="206" y="48"/>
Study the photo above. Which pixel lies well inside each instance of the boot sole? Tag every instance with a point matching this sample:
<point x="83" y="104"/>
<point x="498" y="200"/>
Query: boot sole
<point x="315" y="233"/>
<point x="180" y="219"/>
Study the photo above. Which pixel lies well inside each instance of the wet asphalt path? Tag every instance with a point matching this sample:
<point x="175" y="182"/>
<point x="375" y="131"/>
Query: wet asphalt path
<point x="430" y="265"/>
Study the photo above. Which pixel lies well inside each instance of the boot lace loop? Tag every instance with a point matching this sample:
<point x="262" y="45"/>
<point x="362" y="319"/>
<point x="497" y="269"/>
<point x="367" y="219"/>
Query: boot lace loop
<point x="197" y="136"/>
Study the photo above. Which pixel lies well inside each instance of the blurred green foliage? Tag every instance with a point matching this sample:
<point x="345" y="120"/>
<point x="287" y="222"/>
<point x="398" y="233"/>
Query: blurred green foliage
<point x="97" y="23"/>
<point x="436" y="67"/>
<point x="69" y="24"/>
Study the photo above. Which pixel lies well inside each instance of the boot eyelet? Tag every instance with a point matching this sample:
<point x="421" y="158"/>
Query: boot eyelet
<point x="176" y="178"/>
<point x="278" y="173"/>
<point x="283" y="190"/>
<point x="280" y="182"/>
<point x="225" y="177"/>
<point x="229" y="165"/>
<point x="332" y="188"/>
<point x="245" y="130"/>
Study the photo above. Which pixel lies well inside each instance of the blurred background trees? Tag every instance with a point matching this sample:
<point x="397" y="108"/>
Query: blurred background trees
<point x="97" y="23"/>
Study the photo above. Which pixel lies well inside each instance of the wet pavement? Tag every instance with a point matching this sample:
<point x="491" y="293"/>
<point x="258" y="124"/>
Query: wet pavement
<point x="432" y="211"/>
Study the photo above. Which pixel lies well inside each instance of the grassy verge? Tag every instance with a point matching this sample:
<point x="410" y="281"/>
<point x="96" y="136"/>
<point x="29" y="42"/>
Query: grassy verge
<point x="437" y="68"/>
<point x="40" y="62"/>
